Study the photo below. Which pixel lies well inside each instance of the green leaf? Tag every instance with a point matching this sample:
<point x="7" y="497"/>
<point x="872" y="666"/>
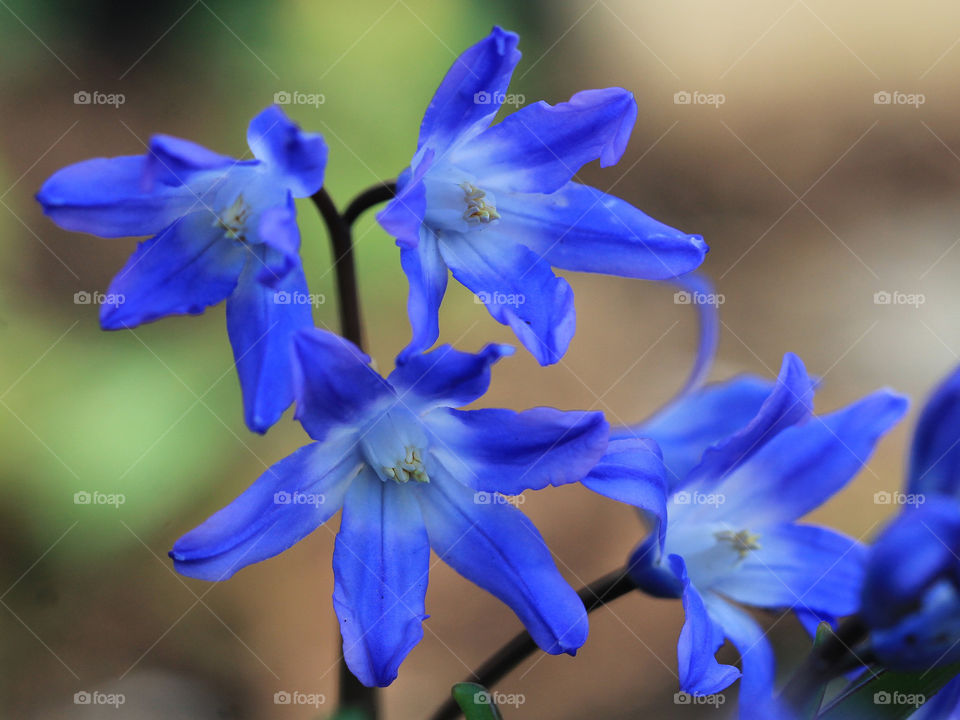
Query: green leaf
<point x="476" y="702"/>
<point x="812" y="706"/>
<point x="889" y="695"/>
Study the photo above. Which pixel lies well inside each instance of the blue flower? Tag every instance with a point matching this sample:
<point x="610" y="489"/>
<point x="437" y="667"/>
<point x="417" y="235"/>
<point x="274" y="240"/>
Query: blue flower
<point x="411" y="473"/>
<point x="742" y="461"/>
<point x="498" y="207"/>
<point x="223" y="229"/>
<point x="910" y="597"/>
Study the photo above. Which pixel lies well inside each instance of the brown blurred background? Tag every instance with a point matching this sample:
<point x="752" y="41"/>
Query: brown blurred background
<point x="813" y="194"/>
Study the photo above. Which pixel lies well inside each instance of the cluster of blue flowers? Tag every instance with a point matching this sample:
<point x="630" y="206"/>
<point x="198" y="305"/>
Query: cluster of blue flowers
<point x="723" y="475"/>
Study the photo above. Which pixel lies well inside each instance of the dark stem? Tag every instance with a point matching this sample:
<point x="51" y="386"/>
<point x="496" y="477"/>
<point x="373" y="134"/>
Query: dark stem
<point x="343" y="261"/>
<point x="354" y="695"/>
<point x="824" y="663"/>
<point x="600" y="592"/>
<point x="367" y="199"/>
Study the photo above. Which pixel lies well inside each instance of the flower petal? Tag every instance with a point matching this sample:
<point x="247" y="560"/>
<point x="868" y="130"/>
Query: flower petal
<point x="403" y="216"/>
<point x="799" y="566"/>
<point x="334" y="384"/>
<point x="427" y="276"/>
<point x="756" y="659"/>
<point x="185" y="269"/>
<point x="261" y="322"/>
<point x="495" y="546"/>
<point x="935" y="454"/>
<point x="790" y="402"/>
<point x="380" y="563"/>
<point x="581" y="228"/>
<point x="299" y="158"/>
<point x="700" y="673"/>
<point x="288" y="502"/>
<point x="508" y="452"/>
<point x="173" y="161"/>
<point x="105" y="197"/>
<point x="445" y="376"/>
<point x="540" y="147"/>
<point x="805" y="465"/>
<point x="471" y="92"/>
<point x="279" y="232"/>
<point x="685" y="428"/>
<point x="696" y="289"/>
<point x="518" y="288"/>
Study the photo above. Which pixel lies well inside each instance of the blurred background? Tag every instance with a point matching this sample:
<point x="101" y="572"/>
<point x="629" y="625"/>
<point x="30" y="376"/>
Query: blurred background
<point x="815" y="145"/>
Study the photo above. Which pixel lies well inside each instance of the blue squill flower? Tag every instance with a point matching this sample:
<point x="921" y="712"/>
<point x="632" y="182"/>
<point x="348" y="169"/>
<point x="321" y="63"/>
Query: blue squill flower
<point x="497" y="205"/>
<point x="223" y="229"/>
<point x="411" y="473"/>
<point x="742" y="462"/>
<point x="910" y="596"/>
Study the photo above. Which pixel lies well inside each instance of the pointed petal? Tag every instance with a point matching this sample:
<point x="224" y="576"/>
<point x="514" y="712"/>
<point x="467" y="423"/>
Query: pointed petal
<point x="756" y="658"/>
<point x="427" y="276"/>
<point x="174" y="161"/>
<point x="519" y="289"/>
<point x="471" y="92"/>
<point x="334" y="384"/>
<point x="805" y="465"/>
<point x="800" y="566"/>
<point x="288" y="502"/>
<point x="540" y="147"/>
<point x="261" y="322"/>
<point x="581" y="228"/>
<point x="935" y="454"/>
<point x="445" y="376"/>
<point x="298" y="158"/>
<point x="700" y="673"/>
<point x="380" y="564"/>
<point x="697" y="289"/>
<point x="790" y="402"/>
<point x="508" y="452"/>
<point x="403" y="216"/>
<point x="183" y="270"/>
<point x="106" y="197"/>
<point x="499" y="549"/>
<point x="278" y="231"/>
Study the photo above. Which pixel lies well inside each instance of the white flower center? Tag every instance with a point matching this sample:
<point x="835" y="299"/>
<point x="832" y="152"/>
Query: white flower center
<point x="233" y="220"/>
<point x="480" y="207"/>
<point x="393" y="445"/>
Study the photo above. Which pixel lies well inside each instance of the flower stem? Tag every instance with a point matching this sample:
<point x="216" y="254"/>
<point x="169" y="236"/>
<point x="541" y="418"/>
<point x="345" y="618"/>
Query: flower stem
<point x="367" y="199"/>
<point x="600" y="592"/>
<point x="824" y="663"/>
<point x="354" y="695"/>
